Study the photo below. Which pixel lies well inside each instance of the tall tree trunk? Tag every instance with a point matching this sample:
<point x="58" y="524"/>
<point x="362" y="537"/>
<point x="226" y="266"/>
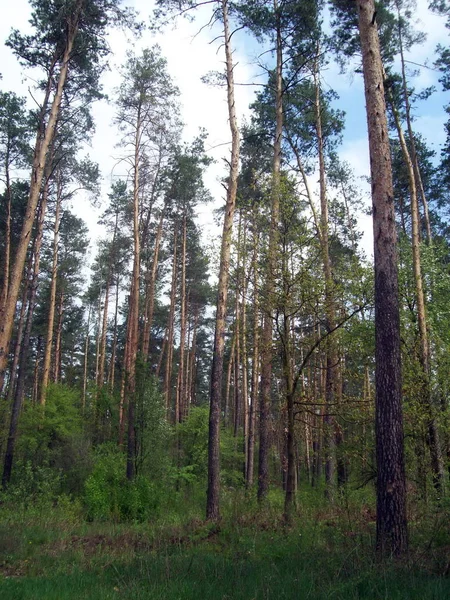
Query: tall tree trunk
<point x="7" y="251"/>
<point x="266" y="341"/>
<point x="181" y="369"/>
<point x="392" y="534"/>
<point x="44" y="138"/>
<point x="19" y="392"/>
<point x="412" y="144"/>
<point x="227" y="403"/>
<point x="20" y="332"/>
<point x="85" y="366"/>
<point x="432" y="435"/>
<point x="171" y="328"/>
<point x="212" y="501"/>
<point x="134" y="309"/>
<point x="289" y="499"/>
<point x="58" y="341"/>
<point x="330" y="310"/>
<point x="112" y="367"/>
<point x="150" y="293"/>
<point x="255" y="361"/>
<point x="52" y="301"/>
<point x="245" y="406"/>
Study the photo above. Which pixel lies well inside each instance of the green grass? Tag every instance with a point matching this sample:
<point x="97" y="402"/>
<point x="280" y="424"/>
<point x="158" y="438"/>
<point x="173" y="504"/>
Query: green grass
<point x="327" y="554"/>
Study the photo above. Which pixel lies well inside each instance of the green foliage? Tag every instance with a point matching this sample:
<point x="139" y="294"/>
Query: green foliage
<point x="109" y="496"/>
<point x="103" y="487"/>
<point x="33" y="485"/>
<point x="46" y="431"/>
<point x="327" y="553"/>
<point x="151" y="427"/>
<point x="193" y="439"/>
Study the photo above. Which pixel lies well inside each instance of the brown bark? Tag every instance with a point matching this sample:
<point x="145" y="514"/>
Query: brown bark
<point x="19" y="334"/>
<point x="44" y="138"/>
<point x="85" y="365"/>
<point x="130" y="366"/>
<point x="245" y="406"/>
<point x="19" y="392"/>
<point x="391" y="488"/>
<point x="112" y="367"/>
<point x="330" y="309"/>
<point x="212" y="502"/>
<point x="181" y="368"/>
<point x="150" y="292"/>
<point x="52" y="301"/>
<point x="170" y="329"/>
<point x="7" y="252"/>
<point x="266" y="338"/>
<point x="255" y="362"/>
<point x="424" y="355"/>
<point x="58" y="349"/>
<point x="227" y="404"/>
<point x="414" y="159"/>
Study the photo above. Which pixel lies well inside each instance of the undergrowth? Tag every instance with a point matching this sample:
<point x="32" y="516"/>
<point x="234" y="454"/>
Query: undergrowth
<point x="52" y="551"/>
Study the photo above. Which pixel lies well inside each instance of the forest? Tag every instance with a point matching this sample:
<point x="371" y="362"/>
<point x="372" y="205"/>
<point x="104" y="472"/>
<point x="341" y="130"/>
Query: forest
<point x="254" y="409"/>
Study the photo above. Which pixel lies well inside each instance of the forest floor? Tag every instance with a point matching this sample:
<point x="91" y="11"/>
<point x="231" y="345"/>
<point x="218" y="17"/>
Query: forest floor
<point x="51" y="553"/>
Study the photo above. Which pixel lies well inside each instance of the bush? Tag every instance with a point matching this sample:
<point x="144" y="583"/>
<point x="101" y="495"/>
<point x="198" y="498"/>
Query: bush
<point x="108" y="495"/>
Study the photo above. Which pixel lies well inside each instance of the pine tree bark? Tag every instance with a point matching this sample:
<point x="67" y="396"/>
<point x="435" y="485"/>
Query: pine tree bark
<point x="181" y="368"/>
<point x="424" y="356"/>
<point x="150" y="293"/>
<point x="266" y="338"/>
<point x="330" y="309"/>
<point x="171" y="329"/>
<point x="255" y="362"/>
<point x="58" y="341"/>
<point x="391" y="534"/>
<point x="134" y="307"/>
<point x="44" y="138"/>
<point x="212" y="501"/>
<point x="52" y="301"/>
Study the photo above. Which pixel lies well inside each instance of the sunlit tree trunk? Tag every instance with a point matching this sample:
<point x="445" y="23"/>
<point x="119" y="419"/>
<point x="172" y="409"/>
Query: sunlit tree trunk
<point x="44" y="138"/>
<point x="213" y="490"/>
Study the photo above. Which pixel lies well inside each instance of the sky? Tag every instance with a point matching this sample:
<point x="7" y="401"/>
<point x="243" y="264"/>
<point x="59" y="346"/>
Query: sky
<point x="191" y="53"/>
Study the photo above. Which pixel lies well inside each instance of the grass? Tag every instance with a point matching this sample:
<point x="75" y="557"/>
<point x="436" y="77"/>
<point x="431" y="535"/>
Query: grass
<point x="51" y="553"/>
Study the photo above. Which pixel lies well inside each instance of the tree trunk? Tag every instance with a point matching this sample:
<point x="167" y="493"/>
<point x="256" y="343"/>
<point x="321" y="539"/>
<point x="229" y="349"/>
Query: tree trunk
<point x="85" y="366"/>
<point x="149" y="306"/>
<point x="171" y="328"/>
<point x="330" y="309"/>
<point x="432" y="433"/>
<point x="112" y="368"/>
<point x="58" y="350"/>
<point x="414" y="159"/>
<point x="255" y="363"/>
<point x="52" y="301"/>
<point x="7" y="252"/>
<point x="391" y="486"/>
<point x="44" y="138"/>
<point x="134" y="310"/>
<point x="266" y="341"/>
<point x="181" y="369"/>
<point x="212" y="502"/>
